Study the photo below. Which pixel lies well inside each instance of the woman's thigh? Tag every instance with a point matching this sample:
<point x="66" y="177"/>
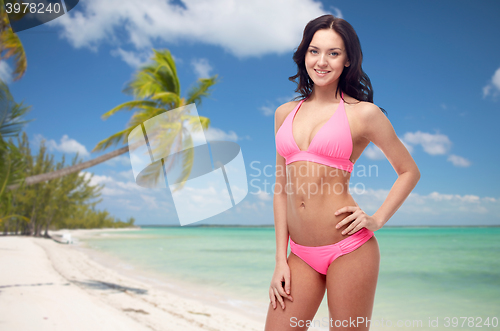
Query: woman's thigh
<point x="307" y="290"/>
<point x="351" y="282"/>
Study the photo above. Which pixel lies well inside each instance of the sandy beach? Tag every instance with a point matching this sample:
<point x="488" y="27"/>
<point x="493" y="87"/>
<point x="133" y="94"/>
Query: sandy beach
<point x="45" y="285"/>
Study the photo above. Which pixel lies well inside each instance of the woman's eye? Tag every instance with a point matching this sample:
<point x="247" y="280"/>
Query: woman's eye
<point x="313" y="51"/>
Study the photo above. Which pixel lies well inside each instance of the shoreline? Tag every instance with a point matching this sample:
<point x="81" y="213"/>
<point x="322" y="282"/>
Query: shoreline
<point x="256" y="310"/>
<point x="56" y="284"/>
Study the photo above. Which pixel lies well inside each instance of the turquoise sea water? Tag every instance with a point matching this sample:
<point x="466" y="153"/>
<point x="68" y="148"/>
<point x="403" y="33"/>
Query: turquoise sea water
<point x="425" y="273"/>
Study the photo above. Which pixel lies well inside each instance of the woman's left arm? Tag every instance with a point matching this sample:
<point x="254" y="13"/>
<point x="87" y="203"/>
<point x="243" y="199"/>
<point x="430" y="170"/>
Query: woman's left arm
<point x="377" y="128"/>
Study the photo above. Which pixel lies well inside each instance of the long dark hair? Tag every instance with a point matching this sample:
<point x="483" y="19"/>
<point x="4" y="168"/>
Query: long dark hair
<point x="353" y="80"/>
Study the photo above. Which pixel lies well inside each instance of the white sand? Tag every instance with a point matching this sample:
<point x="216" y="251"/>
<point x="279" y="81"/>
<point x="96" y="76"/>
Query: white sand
<point x="45" y="285"/>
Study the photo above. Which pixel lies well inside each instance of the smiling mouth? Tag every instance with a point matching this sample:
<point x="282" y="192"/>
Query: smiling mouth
<point x="322" y="72"/>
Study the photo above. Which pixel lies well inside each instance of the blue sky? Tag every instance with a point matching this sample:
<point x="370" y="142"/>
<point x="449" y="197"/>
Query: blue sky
<point x="434" y="66"/>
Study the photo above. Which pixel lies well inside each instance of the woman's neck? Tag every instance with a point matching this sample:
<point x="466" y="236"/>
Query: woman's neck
<point x="325" y="94"/>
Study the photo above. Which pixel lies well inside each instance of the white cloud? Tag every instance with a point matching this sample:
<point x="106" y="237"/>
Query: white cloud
<point x="133" y="59"/>
<point x="262" y="195"/>
<point x="373" y="153"/>
<point x="493" y="87"/>
<point x="201" y="67"/>
<point x="86" y="175"/>
<point x="336" y="12"/>
<point x="105" y="181"/>
<point x="458" y="161"/>
<point x="5" y="72"/>
<point x="435" y="203"/>
<point x="215" y="134"/>
<point x="66" y="145"/>
<point x="218" y="134"/>
<point x="113" y="187"/>
<point x="241" y="27"/>
<point x="267" y="111"/>
<point x="433" y="144"/>
<point x="96" y="179"/>
<point x="436" y="196"/>
<point x="127" y="195"/>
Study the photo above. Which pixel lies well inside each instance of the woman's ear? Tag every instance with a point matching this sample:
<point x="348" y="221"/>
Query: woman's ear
<point x="347" y="64"/>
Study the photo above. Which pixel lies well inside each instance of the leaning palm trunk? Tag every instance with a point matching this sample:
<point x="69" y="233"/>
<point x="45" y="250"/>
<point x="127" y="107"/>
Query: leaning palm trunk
<point x="69" y="170"/>
<point x="157" y="90"/>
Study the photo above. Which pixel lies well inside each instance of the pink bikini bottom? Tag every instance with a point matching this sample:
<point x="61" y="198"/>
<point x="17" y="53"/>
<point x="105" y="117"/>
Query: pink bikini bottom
<point x="320" y="257"/>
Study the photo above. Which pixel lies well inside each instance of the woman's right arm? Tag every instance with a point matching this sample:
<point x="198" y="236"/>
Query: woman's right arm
<point x="281" y="271"/>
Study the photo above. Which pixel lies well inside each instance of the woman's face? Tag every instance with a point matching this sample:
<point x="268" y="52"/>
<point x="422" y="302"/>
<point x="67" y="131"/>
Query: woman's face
<point x="326" y="57"/>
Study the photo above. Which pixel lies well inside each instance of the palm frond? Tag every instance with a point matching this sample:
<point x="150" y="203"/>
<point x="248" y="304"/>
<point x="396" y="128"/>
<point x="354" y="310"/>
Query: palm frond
<point x="117" y="138"/>
<point x="129" y="105"/>
<point x="193" y="121"/>
<point x="167" y="98"/>
<point x="143" y="85"/>
<point x="11" y="113"/>
<point x="166" y="71"/>
<point x="11" y="45"/>
<point x="158" y="76"/>
<point x="200" y="90"/>
<point x="142" y="116"/>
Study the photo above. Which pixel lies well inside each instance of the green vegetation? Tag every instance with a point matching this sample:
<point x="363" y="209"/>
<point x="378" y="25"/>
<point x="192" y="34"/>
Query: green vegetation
<point x="10" y="44"/>
<point x="67" y="202"/>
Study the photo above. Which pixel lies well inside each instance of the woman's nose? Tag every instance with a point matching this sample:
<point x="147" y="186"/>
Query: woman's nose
<point x="321" y="60"/>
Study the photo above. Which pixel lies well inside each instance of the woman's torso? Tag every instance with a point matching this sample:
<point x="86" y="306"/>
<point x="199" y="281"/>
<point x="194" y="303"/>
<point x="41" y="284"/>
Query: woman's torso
<point x="316" y="191"/>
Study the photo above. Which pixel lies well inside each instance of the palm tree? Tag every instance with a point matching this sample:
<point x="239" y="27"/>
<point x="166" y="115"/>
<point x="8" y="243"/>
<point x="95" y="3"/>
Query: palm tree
<point x="11" y="172"/>
<point x="11" y="164"/>
<point x="156" y="89"/>
<point x="10" y="44"/>
<point x="10" y="113"/>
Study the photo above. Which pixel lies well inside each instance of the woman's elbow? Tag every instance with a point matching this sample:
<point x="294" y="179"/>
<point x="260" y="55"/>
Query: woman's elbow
<point x="412" y="174"/>
<point x="416" y="174"/>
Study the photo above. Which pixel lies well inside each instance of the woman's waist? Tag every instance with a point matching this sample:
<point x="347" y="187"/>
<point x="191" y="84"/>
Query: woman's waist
<point x="317" y="186"/>
<point x="313" y="221"/>
<point x="305" y="200"/>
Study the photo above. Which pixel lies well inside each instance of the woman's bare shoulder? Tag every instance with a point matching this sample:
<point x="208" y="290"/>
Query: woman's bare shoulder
<point x="286" y="108"/>
<point x="363" y="110"/>
<point x="283" y="111"/>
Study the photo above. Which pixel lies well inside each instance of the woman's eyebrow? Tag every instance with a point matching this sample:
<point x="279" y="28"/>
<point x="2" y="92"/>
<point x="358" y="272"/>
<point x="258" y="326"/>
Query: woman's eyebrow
<point x="329" y="49"/>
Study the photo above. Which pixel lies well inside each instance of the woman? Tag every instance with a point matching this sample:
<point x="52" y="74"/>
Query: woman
<point x="333" y="247"/>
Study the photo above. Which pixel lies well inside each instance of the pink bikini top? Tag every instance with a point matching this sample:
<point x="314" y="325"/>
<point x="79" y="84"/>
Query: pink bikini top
<point x="331" y="146"/>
